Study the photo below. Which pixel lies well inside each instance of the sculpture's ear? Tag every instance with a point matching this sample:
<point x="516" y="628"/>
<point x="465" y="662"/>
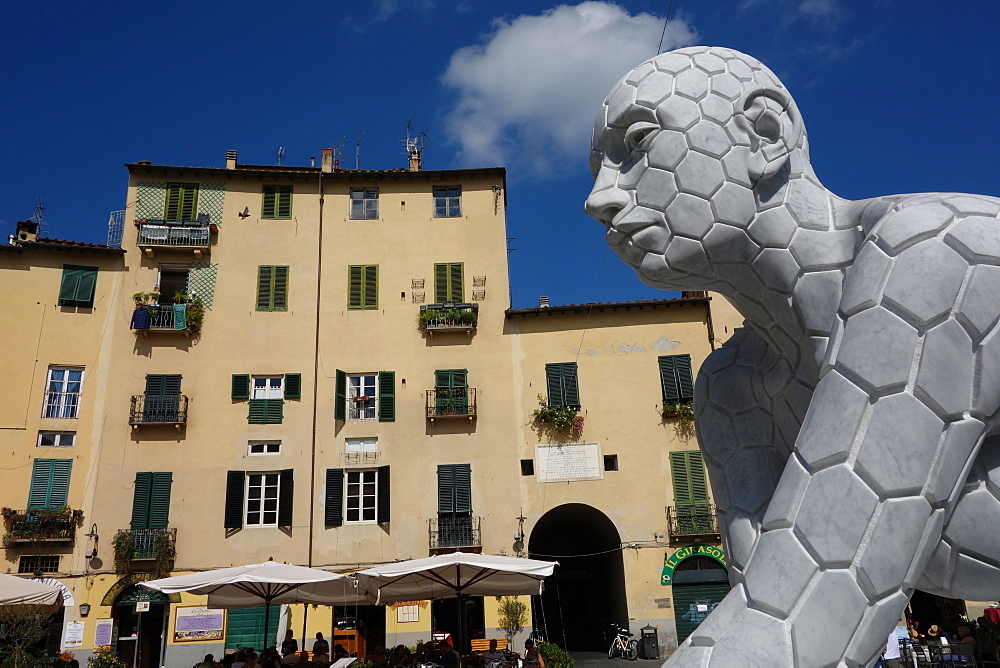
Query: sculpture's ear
<point x="771" y="120"/>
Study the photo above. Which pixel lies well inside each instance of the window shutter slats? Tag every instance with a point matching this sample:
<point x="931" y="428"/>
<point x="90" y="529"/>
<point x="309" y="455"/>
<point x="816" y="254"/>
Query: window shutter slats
<point x="340" y="397"/>
<point x="235" y="489"/>
<point x="383" y="495"/>
<point x="293" y="386"/>
<point x="189" y="197"/>
<point x="273" y="411"/>
<point x="41" y="476"/>
<point x="268" y="207"/>
<point x="279" y="299"/>
<point x="159" y="500"/>
<point x="284" y="201"/>
<point x="442" y="379"/>
<point x="155" y="384"/>
<point x="265" y="279"/>
<point x="59" y="492"/>
<point x="333" y="515"/>
<point x="286" y="498"/>
<point x="668" y="378"/>
<point x="77" y="286"/>
<point x="68" y="287"/>
<point x="440" y="283"/>
<point x="85" y="288"/>
<point x="685" y="382"/>
<point x="688" y="472"/>
<point x="173" y="202"/>
<point x="241" y="386"/>
<point x="140" y="500"/>
<point x="258" y="411"/>
<point x="172" y="384"/>
<point x="371" y="286"/>
<point x="181" y="201"/>
<point x="386" y="396"/>
<point x="446" y="488"/>
<point x="571" y="390"/>
<point x="456" y="293"/>
<point x="463" y="488"/>
<point x="553" y="384"/>
<point x="355" y="281"/>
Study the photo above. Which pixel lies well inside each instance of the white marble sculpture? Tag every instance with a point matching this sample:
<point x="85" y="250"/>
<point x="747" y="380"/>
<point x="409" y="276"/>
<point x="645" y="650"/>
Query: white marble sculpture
<point x="848" y="429"/>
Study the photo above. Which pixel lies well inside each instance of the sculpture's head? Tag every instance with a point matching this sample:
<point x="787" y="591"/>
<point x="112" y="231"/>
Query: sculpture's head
<point x="685" y="149"/>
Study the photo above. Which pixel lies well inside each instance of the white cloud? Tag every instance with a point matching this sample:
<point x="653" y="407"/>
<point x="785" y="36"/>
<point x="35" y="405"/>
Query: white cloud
<point x="529" y="93"/>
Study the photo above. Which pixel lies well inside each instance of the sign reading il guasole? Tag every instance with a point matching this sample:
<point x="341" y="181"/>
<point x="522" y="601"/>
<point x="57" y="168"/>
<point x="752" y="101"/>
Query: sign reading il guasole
<point x="671" y="563"/>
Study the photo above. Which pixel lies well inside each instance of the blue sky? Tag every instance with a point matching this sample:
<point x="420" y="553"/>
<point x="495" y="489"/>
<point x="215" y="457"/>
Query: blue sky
<point x="897" y="96"/>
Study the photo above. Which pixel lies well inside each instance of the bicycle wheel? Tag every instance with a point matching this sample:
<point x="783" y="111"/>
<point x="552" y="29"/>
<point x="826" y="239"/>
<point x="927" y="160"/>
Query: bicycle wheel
<point x="613" y="649"/>
<point x="632" y="650"/>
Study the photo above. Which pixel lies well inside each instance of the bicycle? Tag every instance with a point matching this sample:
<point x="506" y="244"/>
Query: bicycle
<point x="624" y="644"/>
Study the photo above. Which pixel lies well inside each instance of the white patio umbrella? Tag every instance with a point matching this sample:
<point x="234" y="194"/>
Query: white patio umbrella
<point x="458" y="574"/>
<point x="22" y="591"/>
<point x="269" y="583"/>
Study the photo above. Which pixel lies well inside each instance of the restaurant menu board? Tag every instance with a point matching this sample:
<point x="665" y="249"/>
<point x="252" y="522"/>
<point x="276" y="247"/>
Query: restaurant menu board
<point x="102" y="634"/>
<point x="74" y="635"/>
<point x="559" y="462"/>
<point x="199" y="623"/>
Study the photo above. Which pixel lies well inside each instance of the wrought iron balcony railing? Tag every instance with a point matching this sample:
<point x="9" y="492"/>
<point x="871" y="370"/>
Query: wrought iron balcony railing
<point x="158" y="409"/>
<point x="181" y="235"/>
<point x="443" y="317"/>
<point x="41" y="525"/>
<point x="146" y="543"/>
<point x="692" y="520"/>
<point x="448" y="532"/>
<point x="457" y="402"/>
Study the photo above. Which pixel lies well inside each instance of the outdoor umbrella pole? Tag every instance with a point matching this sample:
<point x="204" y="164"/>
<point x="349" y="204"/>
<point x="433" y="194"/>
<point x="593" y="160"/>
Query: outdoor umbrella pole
<point x="267" y="621"/>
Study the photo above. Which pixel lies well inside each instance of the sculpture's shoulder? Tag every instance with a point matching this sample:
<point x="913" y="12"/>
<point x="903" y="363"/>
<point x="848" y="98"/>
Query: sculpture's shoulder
<point x="902" y="221"/>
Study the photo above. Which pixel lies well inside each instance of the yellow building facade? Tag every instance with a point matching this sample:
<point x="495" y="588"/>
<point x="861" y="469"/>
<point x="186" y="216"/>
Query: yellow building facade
<point x="320" y="366"/>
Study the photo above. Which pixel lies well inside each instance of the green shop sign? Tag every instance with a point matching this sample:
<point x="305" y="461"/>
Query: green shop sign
<point x="674" y="560"/>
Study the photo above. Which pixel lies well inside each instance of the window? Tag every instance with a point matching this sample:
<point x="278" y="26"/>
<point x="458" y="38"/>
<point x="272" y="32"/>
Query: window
<point x="451" y="395"/>
<point x="182" y="202"/>
<point x="173" y="278"/>
<point x="272" y="288"/>
<point x="527" y="467"/>
<point x="56" y="439"/>
<point x="365" y="396"/>
<point x="405" y="613"/>
<point x="77" y="286"/>
<point x="448" y="283"/>
<point x="688" y="472"/>
<point x="361" y="445"/>
<point x="356" y="497"/>
<point x="364" y="204"/>
<point x="561" y="382"/>
<point x="267" y="387"/>
<point x="38" y="564"/>
<point x="259" y="499"/>
<point x="455" y="526"/>
<point x="277" y="202"/>
<point x="362" y="289"/>
<point x="161" y="401"/>
<point x="266" y="402"/>
<point x="49" y="483"/>
<point x="675" y="378"/>
<point x="448" y="202"/>
<point x="151" y="500"/>
<point x="610" y="462"/>
<point x="62" y="393"/>
<point x="265" y="448"/>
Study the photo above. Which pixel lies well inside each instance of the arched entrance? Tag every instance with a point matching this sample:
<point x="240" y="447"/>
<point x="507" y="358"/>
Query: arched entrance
<point x="588" y="590"/>
<point x="699" y="584"/>
<point x="139" y="633"/>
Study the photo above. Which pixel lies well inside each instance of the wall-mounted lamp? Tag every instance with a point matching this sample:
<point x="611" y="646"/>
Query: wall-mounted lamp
<point x="84" y="609"/>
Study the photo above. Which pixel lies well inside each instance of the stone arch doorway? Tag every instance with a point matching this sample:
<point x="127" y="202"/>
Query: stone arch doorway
<point x="699" y="584"/>
<point x="139" y="636"/>
<point x="587" y="592"/>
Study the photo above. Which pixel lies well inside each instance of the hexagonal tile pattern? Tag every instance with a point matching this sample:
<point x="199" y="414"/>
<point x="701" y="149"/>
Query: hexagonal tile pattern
<point x="740" y="70"/>
<point x="970" y="204"/>
<point x="960" y="440"/>
<point x="986" y="393"/>
<point x="829" y="618"/>
<point x="974" y="577"/>
<point x="979" y="309"/>
<point x="946" y="365"/>
<point x="654" y="89"/>
<point x="773" y="228"/>
<point x="870" y="638"/>
<point x="689" y="216"/>
<point x="709" y="138"/>
<point x="727" y="87"/>
<point x="730" y="244"/>
<point x="619" y="102"/>
<point x="817" y="295"/>
<point x="741" y="646"/>
<point x="863" y="287"/>
<point x="678" y="114"/>
<point x="830" y="426"/>
<point x="835" y="536"/>
<point x="734" y="204"/>
<point x="691" y="83"/>
<point x="667" y="150"/>
<point x="716" y="108"/>
<point x="700" y="175"/>
<point x="709" y="63"/>
<point x="688" y="255"/>
<point x="877" y="329"/>
<point x="674" y="63"/>
<point x="779" y="552"/>
<point x="900" y="443"/>
<point x="912" y="224"/>
<point x="910" y="287"/>
<point x="895" y="539"/>
<point x="655" y="187"/>
<point x="777" y="266"/>
<point x="977" y="238"/>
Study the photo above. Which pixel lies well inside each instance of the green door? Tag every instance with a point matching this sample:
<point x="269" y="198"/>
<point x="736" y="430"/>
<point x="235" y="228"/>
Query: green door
<point x="451" y="396"/>
<point x="699" y="584"/>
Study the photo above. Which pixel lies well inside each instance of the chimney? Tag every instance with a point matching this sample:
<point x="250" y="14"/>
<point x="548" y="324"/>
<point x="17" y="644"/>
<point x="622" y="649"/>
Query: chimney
<point x="327" y="163"/>
<point x="230" y="159"/>
<point x="27" y="230"/>
<point x="543" y="302"/>
<point x="414" y="160"/>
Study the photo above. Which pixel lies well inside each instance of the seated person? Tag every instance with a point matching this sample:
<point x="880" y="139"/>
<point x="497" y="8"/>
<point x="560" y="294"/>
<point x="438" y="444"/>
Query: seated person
<point x="321" y="649"/>
<point x="493" y="654"/>
<point x="208" y="662"/>
<point x="449" y="657"/>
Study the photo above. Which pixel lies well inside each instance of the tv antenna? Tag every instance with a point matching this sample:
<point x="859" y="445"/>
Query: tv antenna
<point x="415" y="145"/>
<point x="357" y="152"/>
<point x="280" y="154"/>
<point x="39" y="216"/>
<point x="338" y="153"/>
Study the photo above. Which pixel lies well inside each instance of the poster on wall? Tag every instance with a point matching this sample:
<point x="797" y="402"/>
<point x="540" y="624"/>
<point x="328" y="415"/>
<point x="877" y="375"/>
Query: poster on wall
<point x="199" y="623"/>
<point x="561" y="462"/>
<point x="74" y="635"/>
<point x="102" y="634"/>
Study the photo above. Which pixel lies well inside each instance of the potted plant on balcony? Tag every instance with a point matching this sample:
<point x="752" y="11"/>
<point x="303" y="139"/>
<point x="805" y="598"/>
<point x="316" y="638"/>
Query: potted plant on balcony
<point x="426" y="318"/>
<point x="557" y="420"/>
<point x="124" y="546"/>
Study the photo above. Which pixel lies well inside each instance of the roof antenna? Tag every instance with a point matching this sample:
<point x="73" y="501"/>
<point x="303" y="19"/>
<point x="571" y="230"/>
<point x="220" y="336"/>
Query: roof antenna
<point x="357" y="152"/>
<point x="414" y="146"/>
<point x="39" y="217"/>
<point x="338" y="154"/>
<point x="280" y="154"/>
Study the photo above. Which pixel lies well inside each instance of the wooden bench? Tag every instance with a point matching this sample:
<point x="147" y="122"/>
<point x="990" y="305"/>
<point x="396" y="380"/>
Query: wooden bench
<point x="483" y="644"/>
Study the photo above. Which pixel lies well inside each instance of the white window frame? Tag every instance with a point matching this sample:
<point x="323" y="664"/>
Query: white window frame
<point x="362" y="478"/>
<point x="447" y="201"/>
<point x="361" y="445"/>
<point x="268" y="448"/>
<point x="62" y="439"/>
<point x="368" y="210"/>
<point x="273" y="388"/>
<point x="407" y="613"/>
<point x="59" y="403"/>
<point x="264" y="485"/>
<point x="358" y="385"/>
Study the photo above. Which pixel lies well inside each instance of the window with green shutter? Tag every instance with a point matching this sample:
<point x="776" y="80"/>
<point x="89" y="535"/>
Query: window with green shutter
<point x="49" y="483"/>
<point x="241" y="386"/>
<point x="151" y="500"/>
<point x="272" y="288"/>
<point x="267" y="400"/>
<point x="450" y="391"/>
<point x="340" y="397"/>
<point x="181" y="202"/>
<point x="386" y="396"/>
<point x="454" y="489"/>
<point x="690" y="482"/>
<point x="448" y="283"/>
<point x="675" y="378"/>
<point x="277" y="202"/>
<point x="561" y="383"/>
<point x="333" y="514"/>
<point x="77" y="286"/>
<point x="162" y="398"/>
<point x="362" y="287"/>
<point x="293" y="386"/>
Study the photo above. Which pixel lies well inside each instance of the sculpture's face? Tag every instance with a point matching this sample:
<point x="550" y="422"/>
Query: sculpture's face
<point x="665" y="168"/>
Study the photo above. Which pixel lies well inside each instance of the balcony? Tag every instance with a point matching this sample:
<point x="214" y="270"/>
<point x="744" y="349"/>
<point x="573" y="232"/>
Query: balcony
<point x="154" y="409"/>
<point x="194" y="236"/>
<point x="143" y="544"/>
<point x="454" y="532"/>
<point x="458" y="402"/>
<point x="437" y="318"/>
<point x="164" y="318"/>
<point x="41" y="525"/>
<point x="692" y="521"/>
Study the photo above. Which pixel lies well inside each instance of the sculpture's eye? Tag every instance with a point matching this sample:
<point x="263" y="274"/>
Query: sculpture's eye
<point x="637" y="133"/>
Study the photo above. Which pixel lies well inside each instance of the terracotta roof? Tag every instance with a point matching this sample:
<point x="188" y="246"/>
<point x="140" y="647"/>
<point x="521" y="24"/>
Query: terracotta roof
<point x="63" y="244"/>
<point x="603" y="306"/>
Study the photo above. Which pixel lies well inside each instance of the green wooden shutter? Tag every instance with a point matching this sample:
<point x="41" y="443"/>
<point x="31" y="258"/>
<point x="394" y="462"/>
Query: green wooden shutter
<point x="286" y="498"/>
<point x="269" y="204"/>
<point x="293" y="386"/>
<point x="273" y="411"/>
<point x="41" y="482"/>
<point x="340" y="397"/>
<point x="688" y="472"/>
<point x="265" y="282"/>
<point x="241" y="386"/>
<point x="675" y="377"/>
<point x="181" y="201"/>
<point x="553" y="384"/>
<point x="446" y="488"/>
<point x="284" y="201"/>
<point x="455" y="283"/>
<point x="571" y="389"/>
<point x="235" y="491"/>
<point x="440" y="283"/>
<point x="355" y="279"/>
<point x="159" y="500"/>
<point x="245" y="626"/>
<point x="77" y="286"/>
<point x="277" y="202"/>
<point x="333" y="515"/>
<point x="382" y="511"/>
<point x="371" y="287"/>
<point x="140" y="500"/>
<point x="562" y="385"/>
<point x="463" y="488"/>
<point x="386" y="396"/>
<point x="173" y="202"/>
<point x="70" y="282"/>
<point x="189" y="199"/>
<point x="279" y="292"/>
<point x="684" y="379"/>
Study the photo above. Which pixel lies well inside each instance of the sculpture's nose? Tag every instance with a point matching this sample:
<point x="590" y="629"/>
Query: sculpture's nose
<point x="606" y="200"/>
